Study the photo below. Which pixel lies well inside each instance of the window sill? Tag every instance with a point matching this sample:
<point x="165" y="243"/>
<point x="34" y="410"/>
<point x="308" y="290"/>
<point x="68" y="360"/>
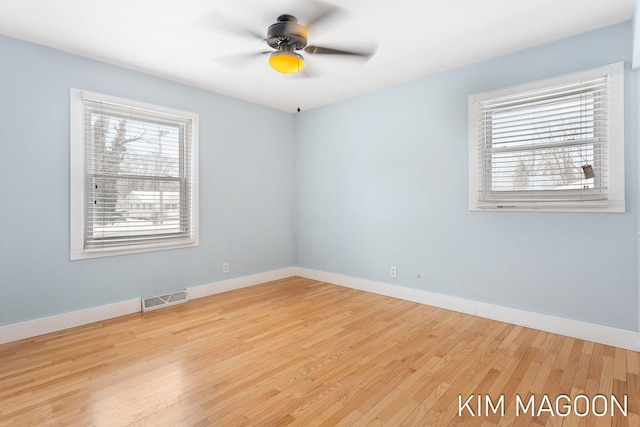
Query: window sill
<point x="612" y="206"/>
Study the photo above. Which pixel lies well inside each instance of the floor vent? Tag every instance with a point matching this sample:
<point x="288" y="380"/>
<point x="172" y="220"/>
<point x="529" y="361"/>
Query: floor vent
<point x="160" y="301"/>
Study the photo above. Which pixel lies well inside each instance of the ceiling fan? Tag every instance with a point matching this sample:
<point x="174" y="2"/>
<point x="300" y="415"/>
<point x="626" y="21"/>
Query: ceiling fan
<point x="287" y="37"/>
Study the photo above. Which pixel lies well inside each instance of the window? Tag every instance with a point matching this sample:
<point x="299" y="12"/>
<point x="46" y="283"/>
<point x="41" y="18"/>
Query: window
<point x="134" y="176"/>
<point x="555" y="145"/>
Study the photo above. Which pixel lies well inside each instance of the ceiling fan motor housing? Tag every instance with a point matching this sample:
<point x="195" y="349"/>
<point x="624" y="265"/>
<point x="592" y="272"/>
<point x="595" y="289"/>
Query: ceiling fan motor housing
<point x="287" y="34"/>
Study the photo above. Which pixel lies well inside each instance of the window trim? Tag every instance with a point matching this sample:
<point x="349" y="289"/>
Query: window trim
<point x="615" y="144"/>
<point x="78" y="176"/>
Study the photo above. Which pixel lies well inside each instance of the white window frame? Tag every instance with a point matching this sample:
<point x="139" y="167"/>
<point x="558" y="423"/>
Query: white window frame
<point x="78" y="177"/>
<point x="615" y="201"/>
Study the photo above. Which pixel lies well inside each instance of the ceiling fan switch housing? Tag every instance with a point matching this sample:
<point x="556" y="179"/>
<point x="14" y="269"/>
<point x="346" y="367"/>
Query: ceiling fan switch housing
<point x="287" y="34"/>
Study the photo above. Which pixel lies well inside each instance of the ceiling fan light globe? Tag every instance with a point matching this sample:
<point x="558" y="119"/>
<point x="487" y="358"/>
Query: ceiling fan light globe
<point x="286" y="62"/>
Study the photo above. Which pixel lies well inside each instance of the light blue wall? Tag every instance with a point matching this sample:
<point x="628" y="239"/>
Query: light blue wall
<point x="382" y="180"/>
<point x="352" y="188"/>
<point x="246" y="200"/>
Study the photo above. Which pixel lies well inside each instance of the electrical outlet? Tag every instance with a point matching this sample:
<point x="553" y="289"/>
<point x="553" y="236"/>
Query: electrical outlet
<point x="393" y="272"/>
<point x="225" y="267"/>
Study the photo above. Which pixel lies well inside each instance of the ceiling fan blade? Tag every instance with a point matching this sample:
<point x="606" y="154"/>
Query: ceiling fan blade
<point x="317" y="50"/>
<point x="323" y="13"/>
<point x="241" y="60"/>
<point x="215" y="21"/>
<point x="307" y="73"/>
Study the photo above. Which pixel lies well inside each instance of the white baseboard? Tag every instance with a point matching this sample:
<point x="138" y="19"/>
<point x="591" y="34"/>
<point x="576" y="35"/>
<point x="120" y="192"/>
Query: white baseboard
<point x="45" y="325"/>
<point x="572" y="328"/>
<point x="239" y="282"/>
<point x="58" y="322"/>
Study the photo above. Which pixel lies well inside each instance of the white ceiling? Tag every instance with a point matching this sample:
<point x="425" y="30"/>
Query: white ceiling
<point x="184" y="40"/>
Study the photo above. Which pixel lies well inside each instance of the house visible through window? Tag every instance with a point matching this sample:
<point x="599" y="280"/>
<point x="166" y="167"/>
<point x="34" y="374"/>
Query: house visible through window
<point x="552" y="145"/>
<point x="134" y="185"/>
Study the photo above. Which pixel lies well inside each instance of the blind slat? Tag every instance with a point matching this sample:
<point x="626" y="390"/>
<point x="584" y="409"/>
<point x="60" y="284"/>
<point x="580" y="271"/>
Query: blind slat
<point x="138" y="176"/>
<point x="545" y="145"/>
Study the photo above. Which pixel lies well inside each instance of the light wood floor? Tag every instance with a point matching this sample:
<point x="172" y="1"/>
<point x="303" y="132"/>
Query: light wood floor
<point x="300" y="352"/>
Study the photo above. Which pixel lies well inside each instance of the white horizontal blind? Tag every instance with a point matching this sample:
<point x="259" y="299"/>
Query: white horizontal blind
<point x="138" y="177"/>
<point x="546" y="146"/>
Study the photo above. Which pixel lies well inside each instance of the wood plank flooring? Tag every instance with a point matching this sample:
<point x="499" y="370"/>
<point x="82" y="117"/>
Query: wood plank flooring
<point x="301" y="352"/>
